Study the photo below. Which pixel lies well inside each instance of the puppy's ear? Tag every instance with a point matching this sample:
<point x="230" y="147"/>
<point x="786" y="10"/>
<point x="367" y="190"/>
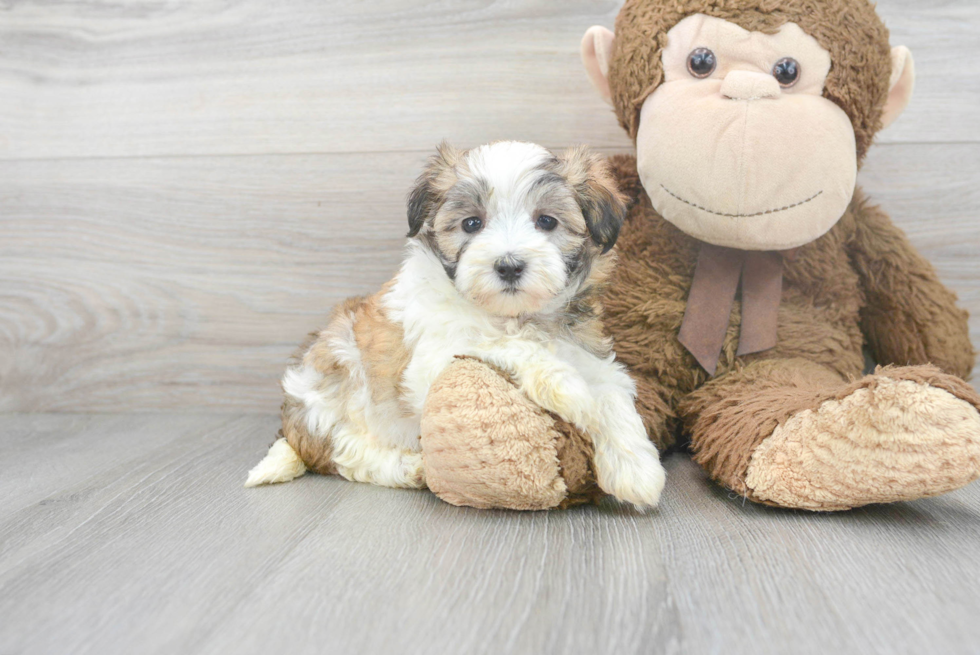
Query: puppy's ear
<point x="434" y="181"/>
<point x="598" y="195"/>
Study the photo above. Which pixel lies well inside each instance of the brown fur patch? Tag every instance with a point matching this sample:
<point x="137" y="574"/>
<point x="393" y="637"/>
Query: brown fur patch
<point x="430" y="188"/>
<point x="849" y="29"/>
<point x="314" y="450"/>
<point x="582" y="318"/>
<point x="383" y="356"/>
<point x="909" y="317"/>
<point x="575" y="461"/>
<point x="602" y="205"/>
<point x="383" y="351"/>
<point x="730" y="416"/>
<point x="901" y="434"/>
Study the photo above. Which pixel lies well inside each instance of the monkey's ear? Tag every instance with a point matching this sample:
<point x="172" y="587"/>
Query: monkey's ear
<point x="598" y="196"/>
<point x="597" y="49"/>
<point x="901" y="85"/>
<point x="429" y="187"/>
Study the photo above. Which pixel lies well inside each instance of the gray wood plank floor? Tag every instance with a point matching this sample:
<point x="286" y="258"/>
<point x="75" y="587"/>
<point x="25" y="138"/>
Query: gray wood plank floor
<point x="145" y="541"/>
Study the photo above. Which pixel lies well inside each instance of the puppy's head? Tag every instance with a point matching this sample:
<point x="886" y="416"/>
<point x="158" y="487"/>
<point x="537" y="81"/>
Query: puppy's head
<point x="517" y="229"/>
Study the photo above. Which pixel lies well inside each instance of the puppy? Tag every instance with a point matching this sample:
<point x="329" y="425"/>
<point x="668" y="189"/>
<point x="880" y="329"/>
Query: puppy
<point x="508" y="246"/>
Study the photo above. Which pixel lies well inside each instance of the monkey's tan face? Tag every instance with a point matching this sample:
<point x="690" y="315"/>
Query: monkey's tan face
<point x="737" y="147"/>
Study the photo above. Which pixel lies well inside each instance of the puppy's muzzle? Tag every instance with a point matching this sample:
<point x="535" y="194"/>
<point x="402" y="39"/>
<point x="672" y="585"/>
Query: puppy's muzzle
<point x="509" y="269"/>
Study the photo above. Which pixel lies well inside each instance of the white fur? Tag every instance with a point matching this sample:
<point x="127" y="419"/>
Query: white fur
<point x="370" y="442"/>
<point x="510" y="169"/>
<point x="281" y="464"/>
<point x="475" y="316"/>
<point x="593" y="393"/>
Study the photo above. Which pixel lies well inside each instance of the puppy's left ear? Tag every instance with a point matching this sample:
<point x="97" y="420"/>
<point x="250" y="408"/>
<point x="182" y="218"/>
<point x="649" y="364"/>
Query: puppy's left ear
<point x="430" y="186"/>
<point x="598" y="195"/>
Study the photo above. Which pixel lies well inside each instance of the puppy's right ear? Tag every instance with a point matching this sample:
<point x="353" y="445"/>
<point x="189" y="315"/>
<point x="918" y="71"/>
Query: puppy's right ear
<point x="434" y="181"/>
<point x="602" y="203"/>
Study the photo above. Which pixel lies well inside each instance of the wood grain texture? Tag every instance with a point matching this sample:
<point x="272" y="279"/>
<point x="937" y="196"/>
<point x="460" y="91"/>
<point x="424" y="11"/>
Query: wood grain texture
<point x="162" y="551"/>
<point x="166" y="239"/>
<point x="171" y="283"/>
<point x="95" y="78"/>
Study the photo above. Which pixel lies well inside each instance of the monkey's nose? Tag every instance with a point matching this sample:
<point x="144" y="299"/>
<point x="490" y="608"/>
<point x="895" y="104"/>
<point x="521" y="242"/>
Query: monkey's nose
<point x="509" y="269"/>
<point x="749" y="85"/>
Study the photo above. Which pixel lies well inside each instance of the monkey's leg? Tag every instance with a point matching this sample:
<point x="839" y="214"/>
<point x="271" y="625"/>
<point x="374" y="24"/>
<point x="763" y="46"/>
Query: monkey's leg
<point x="792" y="433"/>
<point x="653" y="403"/>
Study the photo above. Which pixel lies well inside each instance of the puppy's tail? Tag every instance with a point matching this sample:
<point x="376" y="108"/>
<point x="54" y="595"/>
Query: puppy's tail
<point x="281" y="464"/>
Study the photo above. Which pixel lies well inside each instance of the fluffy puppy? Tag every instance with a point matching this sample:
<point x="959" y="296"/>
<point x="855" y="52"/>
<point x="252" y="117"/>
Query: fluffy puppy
<point x="508" y="245"/>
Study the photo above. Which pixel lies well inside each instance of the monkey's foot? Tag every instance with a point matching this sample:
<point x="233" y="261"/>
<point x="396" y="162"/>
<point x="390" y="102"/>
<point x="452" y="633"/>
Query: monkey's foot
<point x="486" y="445"/>
<point x="901" y="434"/>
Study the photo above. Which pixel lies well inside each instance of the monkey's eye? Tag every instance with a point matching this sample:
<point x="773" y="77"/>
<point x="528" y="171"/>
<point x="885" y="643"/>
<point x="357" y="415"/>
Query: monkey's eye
<point x="546" y="223"/>
<point x="787" y="72"/>
<point x="472" y="224"/>
<point x="701" y="63"/>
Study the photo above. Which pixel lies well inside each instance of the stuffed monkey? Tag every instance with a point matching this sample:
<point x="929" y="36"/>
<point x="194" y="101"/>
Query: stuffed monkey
<point x="751" y="274"/>
<point x="752" y="270"/>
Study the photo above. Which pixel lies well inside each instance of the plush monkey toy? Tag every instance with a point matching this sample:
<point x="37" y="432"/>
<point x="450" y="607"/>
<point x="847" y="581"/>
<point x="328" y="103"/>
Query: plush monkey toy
<point x="751" y="274"/>
<point x="752" y="271"/>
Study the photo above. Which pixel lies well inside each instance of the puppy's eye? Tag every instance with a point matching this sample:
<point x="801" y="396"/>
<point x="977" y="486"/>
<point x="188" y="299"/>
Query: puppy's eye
<point x="787" y="72"/>
<point x="472" y="224"/>
<point x="701" y="63"/>
<point x="546" y="223"/>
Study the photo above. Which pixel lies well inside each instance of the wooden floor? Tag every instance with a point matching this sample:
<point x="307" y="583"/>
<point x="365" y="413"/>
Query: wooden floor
<point x="123" y="534"/>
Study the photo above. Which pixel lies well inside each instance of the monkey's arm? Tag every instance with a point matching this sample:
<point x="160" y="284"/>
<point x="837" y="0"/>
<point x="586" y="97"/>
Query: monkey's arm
<point x="910" y="317"/>
<point x="643" y="310"/>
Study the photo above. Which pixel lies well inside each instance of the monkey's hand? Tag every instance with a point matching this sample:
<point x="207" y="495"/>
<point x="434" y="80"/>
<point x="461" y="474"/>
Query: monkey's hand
<point x="910" y="317"/>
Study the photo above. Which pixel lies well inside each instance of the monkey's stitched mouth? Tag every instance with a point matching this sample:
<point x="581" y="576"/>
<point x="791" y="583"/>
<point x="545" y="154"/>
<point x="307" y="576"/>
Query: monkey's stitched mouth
<point x="769" y="211"/>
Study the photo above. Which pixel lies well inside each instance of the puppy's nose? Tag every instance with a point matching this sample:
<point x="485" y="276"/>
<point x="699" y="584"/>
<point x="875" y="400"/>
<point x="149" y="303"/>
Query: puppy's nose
<point x="509" y="269"/>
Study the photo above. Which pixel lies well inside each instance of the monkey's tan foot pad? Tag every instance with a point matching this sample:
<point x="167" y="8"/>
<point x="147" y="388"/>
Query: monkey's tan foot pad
<point x="486" y="445"/>
<point x="901" y="434"/>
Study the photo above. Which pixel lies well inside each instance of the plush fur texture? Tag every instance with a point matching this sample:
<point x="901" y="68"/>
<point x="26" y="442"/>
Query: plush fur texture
<point x="720" y="155"/>
<point x="509" y="249"/>
<point x="849" y="29"/>
<point x="902" y="434"/>
<point x="796" y="425"/>
<point x="517" y="456"/>
<point x="861" y="282"/>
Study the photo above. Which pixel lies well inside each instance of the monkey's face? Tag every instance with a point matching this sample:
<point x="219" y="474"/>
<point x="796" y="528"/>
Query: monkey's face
<point x="738" y="147"/>
<point x="741" y="139"/>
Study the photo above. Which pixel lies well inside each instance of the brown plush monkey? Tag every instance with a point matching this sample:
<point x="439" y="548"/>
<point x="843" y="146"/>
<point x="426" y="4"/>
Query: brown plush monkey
<point x="752" y="271"/>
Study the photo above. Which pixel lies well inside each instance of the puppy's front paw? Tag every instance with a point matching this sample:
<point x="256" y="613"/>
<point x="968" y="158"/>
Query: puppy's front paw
<point x="635" y="477"/>
<point x="564" y="394"/>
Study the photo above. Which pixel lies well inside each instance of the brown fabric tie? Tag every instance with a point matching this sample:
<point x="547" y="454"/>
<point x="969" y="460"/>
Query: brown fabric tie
<point x="709" y="305"/>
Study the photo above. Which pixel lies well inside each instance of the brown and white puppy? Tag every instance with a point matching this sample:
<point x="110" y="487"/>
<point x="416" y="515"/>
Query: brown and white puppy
<point x="508" y="247"/>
